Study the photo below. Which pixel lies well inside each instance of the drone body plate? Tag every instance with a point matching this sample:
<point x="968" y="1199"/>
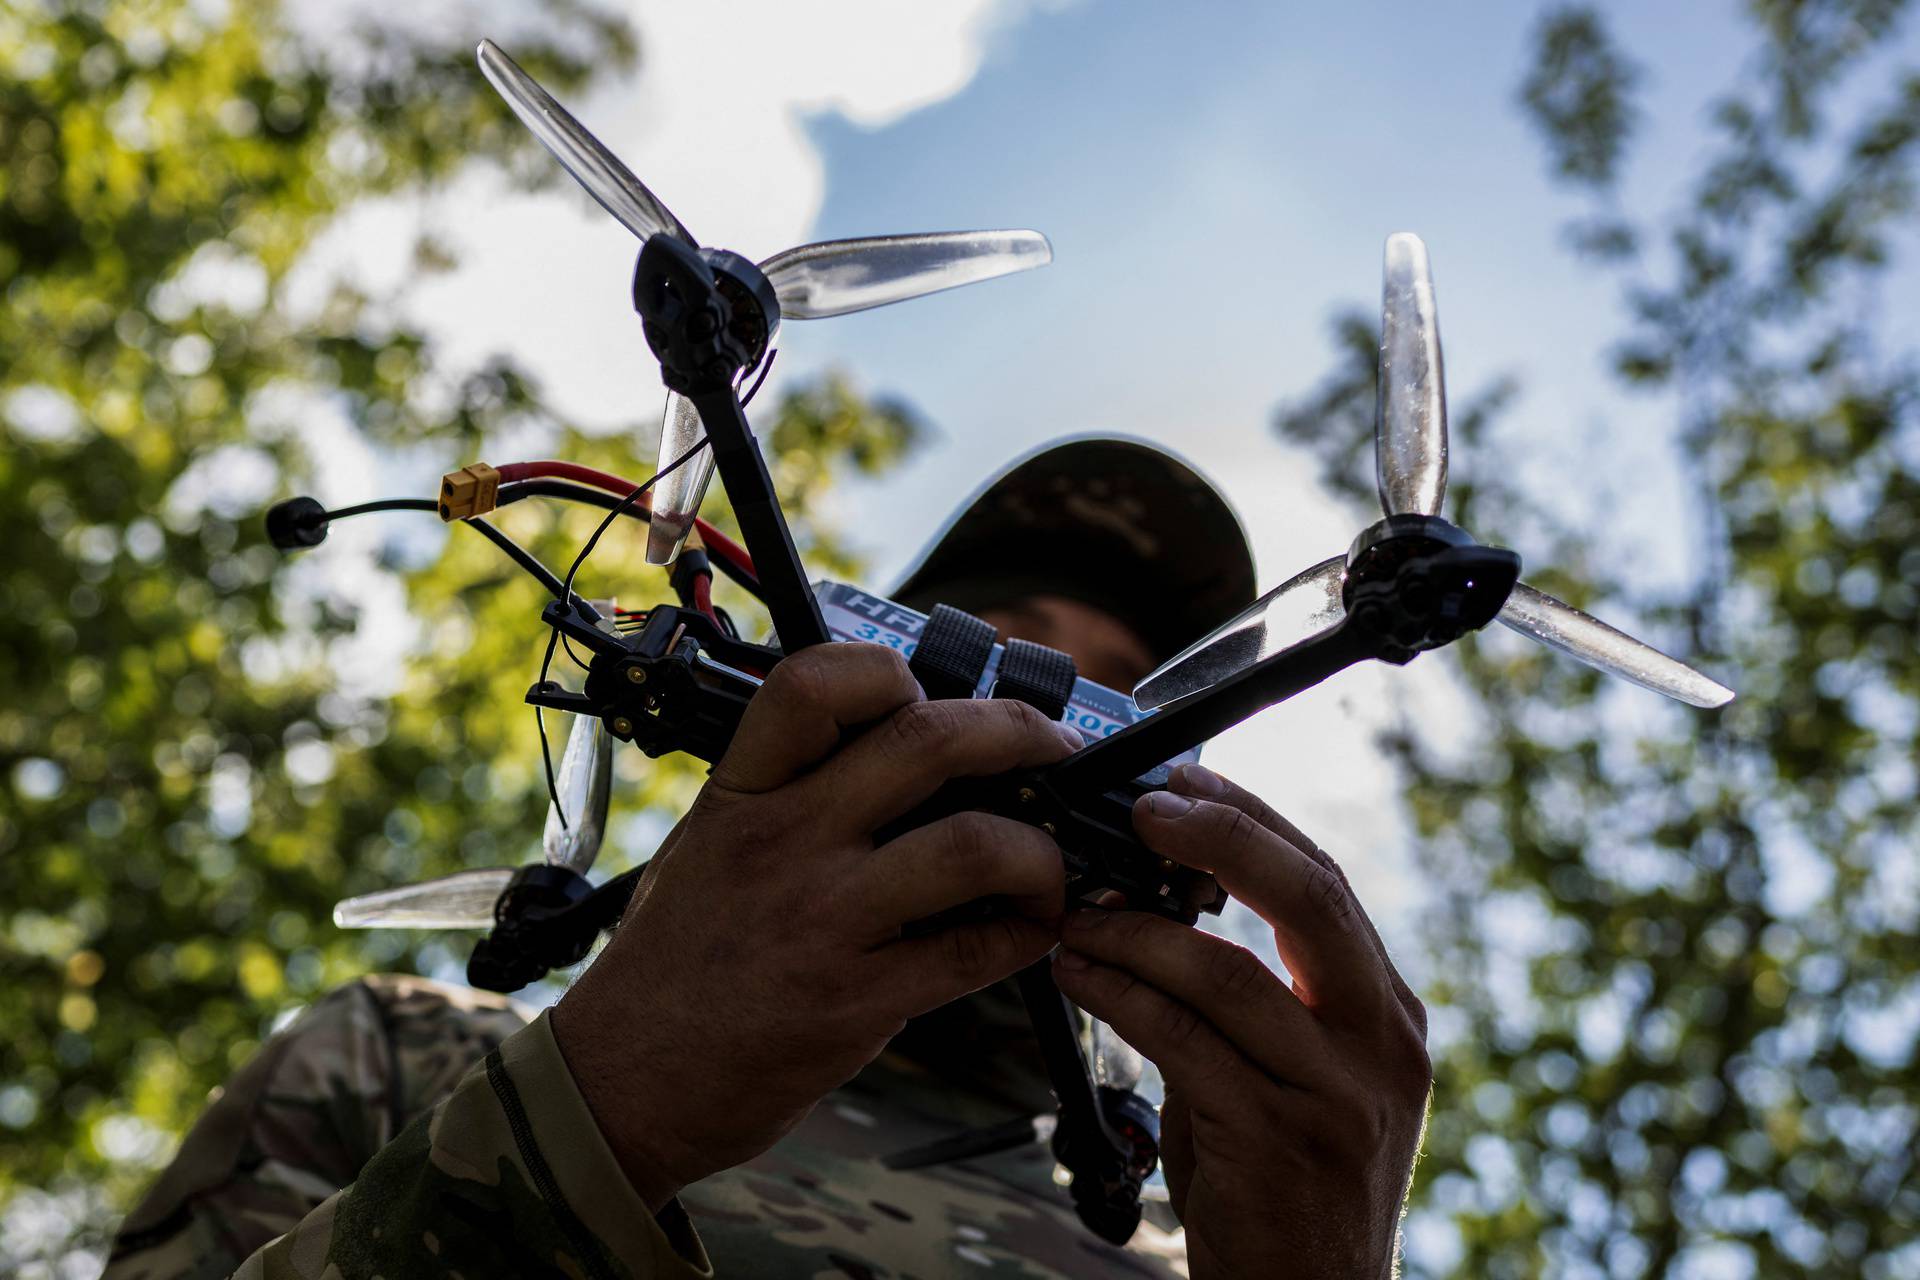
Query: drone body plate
<point x="1094" y="710"/>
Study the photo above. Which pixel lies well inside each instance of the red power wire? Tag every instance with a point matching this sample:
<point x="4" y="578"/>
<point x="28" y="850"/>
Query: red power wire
<point x="717" y="543"/>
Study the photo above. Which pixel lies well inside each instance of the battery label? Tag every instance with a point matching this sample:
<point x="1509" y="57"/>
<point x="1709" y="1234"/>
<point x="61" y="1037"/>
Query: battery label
<point x="852" y="614"/>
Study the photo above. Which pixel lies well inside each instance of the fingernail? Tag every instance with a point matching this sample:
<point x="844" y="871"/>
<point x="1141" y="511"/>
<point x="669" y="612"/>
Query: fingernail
<point x="1070" y="735"/>
<point x="1087" y="917"/>
<point x="1202" y="781"/>
<point x="1069" y="959"/>
<point x="1165" y="804"/>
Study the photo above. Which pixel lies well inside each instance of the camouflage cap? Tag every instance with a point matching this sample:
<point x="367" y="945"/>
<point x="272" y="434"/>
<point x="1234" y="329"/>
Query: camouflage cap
<point x="1120" y="524"/>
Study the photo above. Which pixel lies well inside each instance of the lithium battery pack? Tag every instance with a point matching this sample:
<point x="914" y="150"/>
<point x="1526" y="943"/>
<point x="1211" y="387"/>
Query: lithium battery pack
<point x="1094" y="710"/>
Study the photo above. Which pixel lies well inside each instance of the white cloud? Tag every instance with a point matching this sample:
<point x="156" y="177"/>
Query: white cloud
<point x="713" y="121"/>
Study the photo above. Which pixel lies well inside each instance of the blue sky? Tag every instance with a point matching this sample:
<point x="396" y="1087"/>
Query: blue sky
<point x="1214" y="191"/>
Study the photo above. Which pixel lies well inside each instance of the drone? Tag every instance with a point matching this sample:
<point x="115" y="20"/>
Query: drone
<point x="677" y="677"/>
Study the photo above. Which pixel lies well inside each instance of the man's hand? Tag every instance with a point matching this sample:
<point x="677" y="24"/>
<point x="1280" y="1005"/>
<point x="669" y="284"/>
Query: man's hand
<point x="1292" y="1117"/>
<point x="762" y="963"/>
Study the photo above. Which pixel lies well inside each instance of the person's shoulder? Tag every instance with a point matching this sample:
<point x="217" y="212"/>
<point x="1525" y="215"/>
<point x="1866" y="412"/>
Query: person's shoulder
<point x="305" y="1114"/>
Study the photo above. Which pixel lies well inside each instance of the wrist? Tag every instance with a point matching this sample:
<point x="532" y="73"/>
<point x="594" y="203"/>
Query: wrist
<point x="605" y="1074"/>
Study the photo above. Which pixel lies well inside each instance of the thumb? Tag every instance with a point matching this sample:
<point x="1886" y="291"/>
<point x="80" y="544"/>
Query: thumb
<point x="808" y="703"/>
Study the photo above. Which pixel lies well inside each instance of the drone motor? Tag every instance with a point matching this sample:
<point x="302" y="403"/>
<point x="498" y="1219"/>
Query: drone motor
<point x="1422" y="582"/>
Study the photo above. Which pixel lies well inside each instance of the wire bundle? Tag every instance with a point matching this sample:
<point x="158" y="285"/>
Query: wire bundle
<point x="569" y="482"/>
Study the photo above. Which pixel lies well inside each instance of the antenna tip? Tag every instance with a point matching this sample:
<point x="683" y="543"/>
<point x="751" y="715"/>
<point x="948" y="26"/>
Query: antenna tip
<point x="296" y="523"/>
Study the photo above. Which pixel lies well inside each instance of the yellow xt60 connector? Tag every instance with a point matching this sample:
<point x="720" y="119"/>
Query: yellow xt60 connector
<point x="470" y="491"/>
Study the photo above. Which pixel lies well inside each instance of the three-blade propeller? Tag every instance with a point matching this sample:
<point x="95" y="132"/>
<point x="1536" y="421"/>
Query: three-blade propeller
<point x="812" y="282"/>
<point x="464" y="900"/>
<point x="1410" y="458"/>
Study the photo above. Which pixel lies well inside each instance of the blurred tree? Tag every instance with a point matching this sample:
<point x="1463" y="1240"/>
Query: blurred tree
<point x="191" y="771"/>
<point x="1677" y="995"/>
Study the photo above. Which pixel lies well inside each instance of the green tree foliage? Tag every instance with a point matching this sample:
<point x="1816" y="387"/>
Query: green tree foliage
<point x="186" y="783"/>
<point x="1677" y="993"/>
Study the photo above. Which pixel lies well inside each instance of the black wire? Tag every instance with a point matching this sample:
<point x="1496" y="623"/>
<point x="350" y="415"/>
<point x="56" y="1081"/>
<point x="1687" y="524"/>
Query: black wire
<point x="540" y="718"/>
<point x="566" y="596"/>
<point x="543" y="487"/>
<point x="570" y="492"/>
<point x="562" y="591"/>
<point x="620" y="508"/>
<point x="517" y="553"/>
<point x="566" y="491"/>
<point x="766" y="367"/>
<point x="573" y="657"/>
<point x="525" y="559"/>
<point x="384" y="504"/>
<point x="521" y="556"/>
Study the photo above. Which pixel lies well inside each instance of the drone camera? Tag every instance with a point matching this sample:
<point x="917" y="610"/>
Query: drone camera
<point x="470" y="491"/>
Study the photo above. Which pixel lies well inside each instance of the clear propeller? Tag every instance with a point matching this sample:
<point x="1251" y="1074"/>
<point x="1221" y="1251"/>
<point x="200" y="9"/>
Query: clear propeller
<point x="677" y="494"/>
<point x="812" y="282"/>
<point x="1410" y="453"/>
<point x="834" y="278"/>
<point x="1298" y="609"/>
<point x="837" y="277"/>
<point x="584" y="783"/>
<point x="1558" y="624"/>
<point x="463" y="900"/>
<point x="579" y="152"/>
<point x="1410" y="410"/>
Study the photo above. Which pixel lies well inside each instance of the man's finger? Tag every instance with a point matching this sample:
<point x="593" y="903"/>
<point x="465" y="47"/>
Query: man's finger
<point x="1317" y="924"/>
<point x="1224" y="983"/>
<point x="1176" y="1147"/>
<point x="905" y="758"/>
<point x="808" y="703"/>
<point x="956" y="860"/>
<point x="1189" y="1051"/>
<point x="1202" y="783"/>
<point x="919" y="974"/>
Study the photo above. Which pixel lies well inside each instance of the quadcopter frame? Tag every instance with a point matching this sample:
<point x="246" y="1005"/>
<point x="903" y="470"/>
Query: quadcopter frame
<point x="681" y="679"/>
<point x="682" y="684"/>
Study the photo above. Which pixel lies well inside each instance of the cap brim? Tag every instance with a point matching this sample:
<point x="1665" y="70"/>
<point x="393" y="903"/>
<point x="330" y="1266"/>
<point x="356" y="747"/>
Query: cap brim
<point x="1119" y="523"/>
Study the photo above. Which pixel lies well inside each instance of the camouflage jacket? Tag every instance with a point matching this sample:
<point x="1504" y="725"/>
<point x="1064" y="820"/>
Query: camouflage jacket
<point x="404" y="1129"/>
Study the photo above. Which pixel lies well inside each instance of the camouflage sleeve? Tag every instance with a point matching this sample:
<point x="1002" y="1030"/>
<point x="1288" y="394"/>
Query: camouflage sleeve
<point x="508" y="1175"/>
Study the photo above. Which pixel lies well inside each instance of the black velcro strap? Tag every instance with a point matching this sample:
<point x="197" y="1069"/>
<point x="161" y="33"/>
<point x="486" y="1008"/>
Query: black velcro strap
<point x="1036" y="675"/>
<point x="952" y="653"/>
